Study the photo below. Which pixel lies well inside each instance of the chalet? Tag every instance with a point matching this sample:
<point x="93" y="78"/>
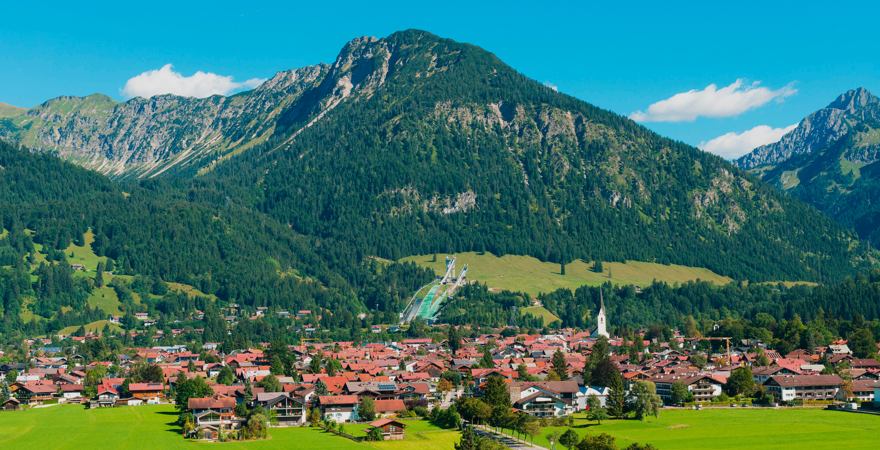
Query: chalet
<point x="387" y="408"/>
<point x="804" y="387"/>
<point x="151" y="393"/>
<point x="863" y="390"/>
<point x="376" y="390"/>
<point x="288" y="410"/>
<point x="392" y="430"/>
<point x="339" y="408"/>
<point x="70" y="391"/>
<point x="33" y="392"/>
<point x="703" y="386"/>
<point x="548" y="398"/>
<point x="11" y="404"/>
<point x="212" y="415"/>
<point x="107" y="397"/>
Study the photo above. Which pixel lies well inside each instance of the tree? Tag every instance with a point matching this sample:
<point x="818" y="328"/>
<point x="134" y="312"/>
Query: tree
<point x="616" y="402"/>
<point x="474" y="410"/>
<point x="740" y="381"/>
<point x="645" y="401"/>
<point x="596" y="411"/>
<point x="601" y="441"/>
<point x="315" y="364"/>
<point x="562" y="268"/>
<point x="862" y="343"/>
<point x="256" y="427"/>
<point x="680" y="394"/>
<point x="99" y="275"/>
<point x="11" y="376"/>
<point x="530" y="426"/>
<point x="569" y="439"/>
<point x="453" y="339"/>
<point x="597" y="266"/>
<point x="367" y="409"/>
<point x="270" y="383"/>
<point x="486" y="362"/>
<point x="332" y="365"/>
<point x="192" y="388"/>
<point x="226" y="376"/>
<point x="496" y="393"/>
<point x="444" y="386"/>
<point x="314" y="416"/>
<point x="469" y="440"/>
<point x="277" y="366"/>
<point x="560" y="367"/>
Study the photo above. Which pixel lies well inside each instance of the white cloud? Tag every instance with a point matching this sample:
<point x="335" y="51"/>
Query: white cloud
<point x="733" y="145"/>
<point x="728" y="101"/>
<point x="200" y="84"/>
<point x="551" y="86"/>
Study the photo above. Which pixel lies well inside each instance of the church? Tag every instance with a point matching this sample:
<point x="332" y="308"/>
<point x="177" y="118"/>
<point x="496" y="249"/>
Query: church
<point x="601" y="320"/>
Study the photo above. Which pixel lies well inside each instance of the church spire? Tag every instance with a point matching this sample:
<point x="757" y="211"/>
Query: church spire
<point x="601" y="325"/>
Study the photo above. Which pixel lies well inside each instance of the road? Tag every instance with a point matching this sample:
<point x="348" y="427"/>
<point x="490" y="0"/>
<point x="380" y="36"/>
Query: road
<point x="505" y="439"/>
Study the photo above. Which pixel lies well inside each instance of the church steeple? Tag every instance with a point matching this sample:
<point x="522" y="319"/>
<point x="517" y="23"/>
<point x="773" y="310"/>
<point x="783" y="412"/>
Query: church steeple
<point x="601" y="325"/>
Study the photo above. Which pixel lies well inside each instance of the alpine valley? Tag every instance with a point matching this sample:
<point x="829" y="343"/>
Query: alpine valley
<point x="303" y="192"/>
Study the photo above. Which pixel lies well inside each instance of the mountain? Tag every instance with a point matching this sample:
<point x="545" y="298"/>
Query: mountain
<point x="412" y="144"/>
<point x="832" y="161"/>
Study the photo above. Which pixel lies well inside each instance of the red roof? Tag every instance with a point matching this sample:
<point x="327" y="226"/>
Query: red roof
<point x="389" y="406"/>
<point x="145" y="387"/>
<point x="338" y="399"/>
<point x="211" y="403"/>
<point x="383" y="422"/>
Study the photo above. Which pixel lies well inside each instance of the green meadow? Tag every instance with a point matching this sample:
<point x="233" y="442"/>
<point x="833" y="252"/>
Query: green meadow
<point x="745" y="428"/>
<point x="529" y="275"/>
<point x="152" y="427"/>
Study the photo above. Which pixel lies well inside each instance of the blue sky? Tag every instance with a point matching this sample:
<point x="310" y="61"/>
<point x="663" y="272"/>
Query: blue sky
<point x="622" y="57"/>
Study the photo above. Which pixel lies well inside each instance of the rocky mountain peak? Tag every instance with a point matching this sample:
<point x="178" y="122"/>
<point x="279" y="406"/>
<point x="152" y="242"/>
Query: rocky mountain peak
<point x="853" y="100"/>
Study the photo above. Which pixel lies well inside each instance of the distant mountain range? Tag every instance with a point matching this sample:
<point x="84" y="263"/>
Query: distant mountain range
<point x="412" y="144"/>
<point x="831" y="161"/>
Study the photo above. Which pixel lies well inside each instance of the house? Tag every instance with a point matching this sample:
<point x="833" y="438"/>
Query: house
<point x="542" y="404"/>
<point x="33" y="392"/>
<point x="863" y="390"/>
<point x="386" y="408"/>
<point x="107" y="397"/>
<point x="804" y="387"/>
<point x="339" y="408"/>
<point x="703" y="386"/>
<point x="569" y="392"/>
<point x="11" y="404"/>
<point x="150" y="393"/>
<point x="288" y="410"/>
<point x="392" y="430"/>
<point x="212" y="415"/>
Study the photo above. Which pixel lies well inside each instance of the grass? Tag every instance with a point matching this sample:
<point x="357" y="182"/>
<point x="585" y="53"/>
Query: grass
<point x="152" y="427"/>
<point x="94" y="327"/>
<point x="540" y="311"/>
<point x="529" y="275"/>
<point x="789" y="179"/>
<point x="190" y="291"/>
<point x="83" y="254"/>
<point x="105" y="298"/>
<point x="754" y="428"/>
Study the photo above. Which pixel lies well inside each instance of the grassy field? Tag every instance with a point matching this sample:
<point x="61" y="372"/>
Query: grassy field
<point x="757" y="428"/>
<point x="529" y="275"/>
<point x="105" y="298"/>
<point x="84" y="254"/>
<point x="95" y="327"/>
<point x="152" y="427"/>
<point x="540" y="311"/>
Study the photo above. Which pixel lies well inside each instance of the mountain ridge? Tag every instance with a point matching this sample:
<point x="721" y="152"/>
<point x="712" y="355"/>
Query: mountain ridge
<point x="832" y="161"/>
<point x="413" y="143"/>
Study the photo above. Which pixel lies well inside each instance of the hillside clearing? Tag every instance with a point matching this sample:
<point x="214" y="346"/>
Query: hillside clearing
<point x="529" y="275"/>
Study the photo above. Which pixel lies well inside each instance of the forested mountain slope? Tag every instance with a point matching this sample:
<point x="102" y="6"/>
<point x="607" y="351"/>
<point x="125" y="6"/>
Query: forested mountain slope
<point x="413" y="144"/>
<point x="440" y="146"/>
<point x="831" y="160"/>
<point x="152" y="230"/>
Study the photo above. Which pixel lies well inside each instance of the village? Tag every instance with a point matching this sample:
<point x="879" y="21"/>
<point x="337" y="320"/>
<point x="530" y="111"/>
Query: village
<point x="544" y="377"/>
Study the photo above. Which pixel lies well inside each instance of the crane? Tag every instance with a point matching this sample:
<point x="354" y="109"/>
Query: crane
<point x="726" y="340"/>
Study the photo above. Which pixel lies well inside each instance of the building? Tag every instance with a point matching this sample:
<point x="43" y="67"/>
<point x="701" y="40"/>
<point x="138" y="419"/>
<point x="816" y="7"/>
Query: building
<point x="212" y="415"/>
<point x="863" y="390"/>
<point x="548" y="398"/>
<point x="288" y="410"/>
<point x="392" y="430"/>
<point x="804" y="387"/>
<point x="601" y="319"/>
<point x="339" y="408"/>
<point x="703" y="387"/>
<point x="151" y="393"/>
